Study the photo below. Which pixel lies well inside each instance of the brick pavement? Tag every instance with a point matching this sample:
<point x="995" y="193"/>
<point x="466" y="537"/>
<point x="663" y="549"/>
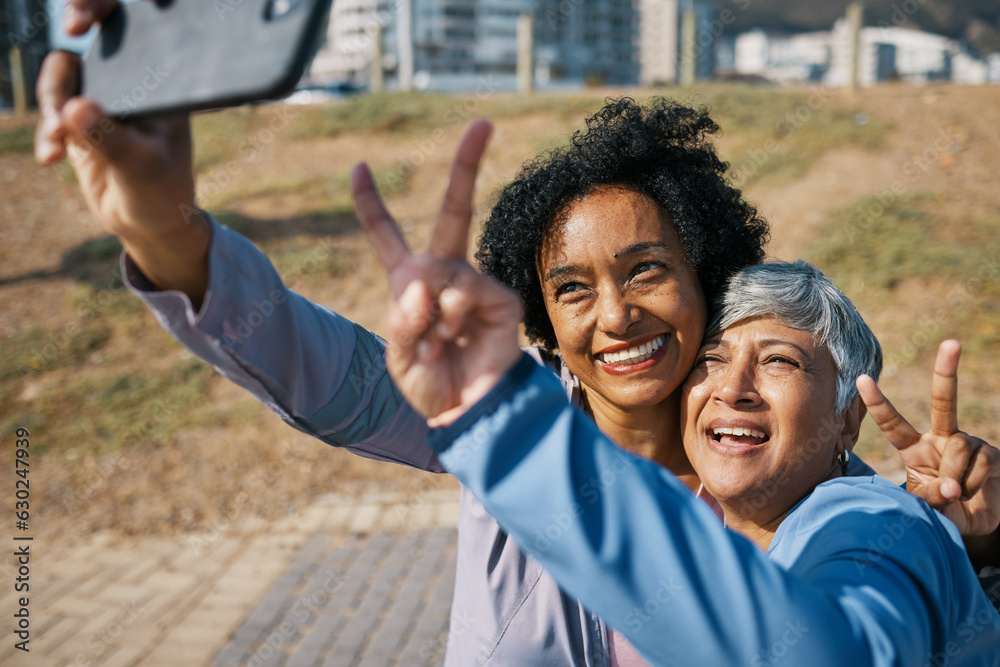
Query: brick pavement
<point x="346" y="582"/>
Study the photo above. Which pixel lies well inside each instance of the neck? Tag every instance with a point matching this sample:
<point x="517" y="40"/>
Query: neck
<point x="760" y="525"/>
<point x="759" y="529"/>
<point x="651" y="432"/>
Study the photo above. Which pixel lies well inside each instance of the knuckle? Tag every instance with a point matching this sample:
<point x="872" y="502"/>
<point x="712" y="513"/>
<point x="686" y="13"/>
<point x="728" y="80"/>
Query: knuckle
<point x="960" y="443"/>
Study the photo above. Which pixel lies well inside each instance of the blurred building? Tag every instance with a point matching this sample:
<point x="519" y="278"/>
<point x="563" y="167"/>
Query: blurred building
<point x="455" y="43"/>
<point x="993" y="68"/>
<point x="661" y="39"/>
<point x="886" y="54"/>
<point x="25" y="25"/>
<point x="783" y="58"/>
<point x="914" y="56"/>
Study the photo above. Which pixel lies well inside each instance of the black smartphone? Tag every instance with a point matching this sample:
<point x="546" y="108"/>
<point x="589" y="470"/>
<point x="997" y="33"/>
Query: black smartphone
<point x="159" y="57"/>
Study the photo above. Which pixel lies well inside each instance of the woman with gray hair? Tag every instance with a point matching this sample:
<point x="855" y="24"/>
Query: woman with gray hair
<point x="815" y="568"/>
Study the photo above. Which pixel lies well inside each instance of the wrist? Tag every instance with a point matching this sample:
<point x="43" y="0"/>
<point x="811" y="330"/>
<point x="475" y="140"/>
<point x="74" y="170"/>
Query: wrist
<point x="476" y="391"/>
<point x="466" y="416"/>
<point x="174" y="256"/>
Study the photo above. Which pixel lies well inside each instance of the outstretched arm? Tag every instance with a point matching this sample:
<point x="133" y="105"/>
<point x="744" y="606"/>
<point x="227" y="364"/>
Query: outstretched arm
<point x="208" y="286"/>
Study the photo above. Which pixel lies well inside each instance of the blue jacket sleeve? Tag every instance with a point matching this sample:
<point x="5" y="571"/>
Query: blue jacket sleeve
<point x="318" y="371"/>
<point x="636" y="547"/>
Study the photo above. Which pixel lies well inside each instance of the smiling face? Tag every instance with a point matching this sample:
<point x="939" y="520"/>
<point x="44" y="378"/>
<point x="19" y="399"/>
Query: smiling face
<point x="758" y="415"/>
<point x="626" y="306"/>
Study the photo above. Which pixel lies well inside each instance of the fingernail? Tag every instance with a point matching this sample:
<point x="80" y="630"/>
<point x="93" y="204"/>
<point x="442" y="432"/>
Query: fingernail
<point x="89" y="118"/>
<point x="44" y="151"/>
<point x="77" y="20"/>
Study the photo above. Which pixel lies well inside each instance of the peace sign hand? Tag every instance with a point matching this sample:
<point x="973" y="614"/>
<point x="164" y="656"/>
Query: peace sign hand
<point x="958" y="474"/>
<point x="453" y="331"/>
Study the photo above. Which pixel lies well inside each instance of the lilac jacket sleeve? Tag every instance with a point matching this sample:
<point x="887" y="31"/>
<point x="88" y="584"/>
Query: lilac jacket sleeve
<point x="628" y="540"/>
<point x="320" y="372"/>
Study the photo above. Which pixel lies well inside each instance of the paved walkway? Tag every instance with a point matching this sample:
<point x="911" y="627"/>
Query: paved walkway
<point x="347" y="582"/>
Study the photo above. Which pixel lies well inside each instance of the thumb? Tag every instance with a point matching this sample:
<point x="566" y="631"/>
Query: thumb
<point x="939" y="493"/>
<point x="411" y="317"/>
<point x="94" y="134"/>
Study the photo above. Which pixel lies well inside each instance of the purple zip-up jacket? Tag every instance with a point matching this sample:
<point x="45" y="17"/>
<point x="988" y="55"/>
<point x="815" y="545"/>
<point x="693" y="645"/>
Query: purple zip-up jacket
<point x="326" y="376"/>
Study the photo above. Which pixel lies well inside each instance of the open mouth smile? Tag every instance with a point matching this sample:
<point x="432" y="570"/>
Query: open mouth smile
<point x="633" y="355"/>
<point x="736" y="440"/>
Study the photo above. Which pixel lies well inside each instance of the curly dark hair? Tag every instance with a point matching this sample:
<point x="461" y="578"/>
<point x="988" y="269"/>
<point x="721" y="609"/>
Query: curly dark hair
<point x="662" y="150"/>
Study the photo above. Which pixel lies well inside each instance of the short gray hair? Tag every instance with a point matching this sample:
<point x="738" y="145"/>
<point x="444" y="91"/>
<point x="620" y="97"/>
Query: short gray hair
<point x="798" y="295"/>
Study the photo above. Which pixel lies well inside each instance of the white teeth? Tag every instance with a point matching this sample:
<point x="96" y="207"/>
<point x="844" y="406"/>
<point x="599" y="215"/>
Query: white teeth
<point x="634" y="355"/>
<point x="739" y="432"/>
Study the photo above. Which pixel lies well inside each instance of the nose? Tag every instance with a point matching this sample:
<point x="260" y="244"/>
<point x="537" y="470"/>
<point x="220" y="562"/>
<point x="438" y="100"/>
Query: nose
<point x="737" y="386"/>
<point x="616" y="313"/>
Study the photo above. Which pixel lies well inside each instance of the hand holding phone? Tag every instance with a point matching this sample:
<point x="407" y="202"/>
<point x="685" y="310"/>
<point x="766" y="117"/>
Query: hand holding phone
<point x="167" y="56"/>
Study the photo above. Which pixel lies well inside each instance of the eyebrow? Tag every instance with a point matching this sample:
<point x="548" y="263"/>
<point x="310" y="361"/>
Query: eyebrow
<point x="771" y="342"/>
<point x="633" y="249"/>
<point x="767" y="342"/>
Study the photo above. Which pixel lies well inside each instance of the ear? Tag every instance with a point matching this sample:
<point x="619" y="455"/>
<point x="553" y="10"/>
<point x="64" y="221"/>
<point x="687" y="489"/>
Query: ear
<point x="854" y="414"/>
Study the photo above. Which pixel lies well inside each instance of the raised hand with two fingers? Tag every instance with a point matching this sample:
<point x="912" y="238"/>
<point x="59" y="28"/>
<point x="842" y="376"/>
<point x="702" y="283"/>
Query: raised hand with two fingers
<point x="453" y="331"/>
<point x="956" y="473"/>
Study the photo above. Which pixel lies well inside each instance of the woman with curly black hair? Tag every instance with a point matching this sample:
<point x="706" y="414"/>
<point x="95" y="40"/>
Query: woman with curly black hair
<point x="614" y="244"/>
<point x="661" y="150"/>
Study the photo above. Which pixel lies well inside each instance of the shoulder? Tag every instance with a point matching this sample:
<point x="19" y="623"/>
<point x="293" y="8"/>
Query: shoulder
<point x="868" y="519"/>
<point x="554" y="361"/>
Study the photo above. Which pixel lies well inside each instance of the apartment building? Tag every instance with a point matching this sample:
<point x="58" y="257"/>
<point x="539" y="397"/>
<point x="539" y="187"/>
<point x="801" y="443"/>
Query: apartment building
<point x="456" y="42"/>
<point x="660" y="38"/>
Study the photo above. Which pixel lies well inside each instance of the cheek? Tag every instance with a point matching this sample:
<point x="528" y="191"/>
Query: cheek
<point x="694" y="395"/>
<point x="689" y="314"/>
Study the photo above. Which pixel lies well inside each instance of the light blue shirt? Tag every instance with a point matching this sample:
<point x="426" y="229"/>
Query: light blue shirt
<point x="859" y="572"/>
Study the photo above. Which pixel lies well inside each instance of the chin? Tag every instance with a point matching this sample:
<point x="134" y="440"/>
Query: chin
<point x="643" y="397"/>
<point x="729" y="485"/>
